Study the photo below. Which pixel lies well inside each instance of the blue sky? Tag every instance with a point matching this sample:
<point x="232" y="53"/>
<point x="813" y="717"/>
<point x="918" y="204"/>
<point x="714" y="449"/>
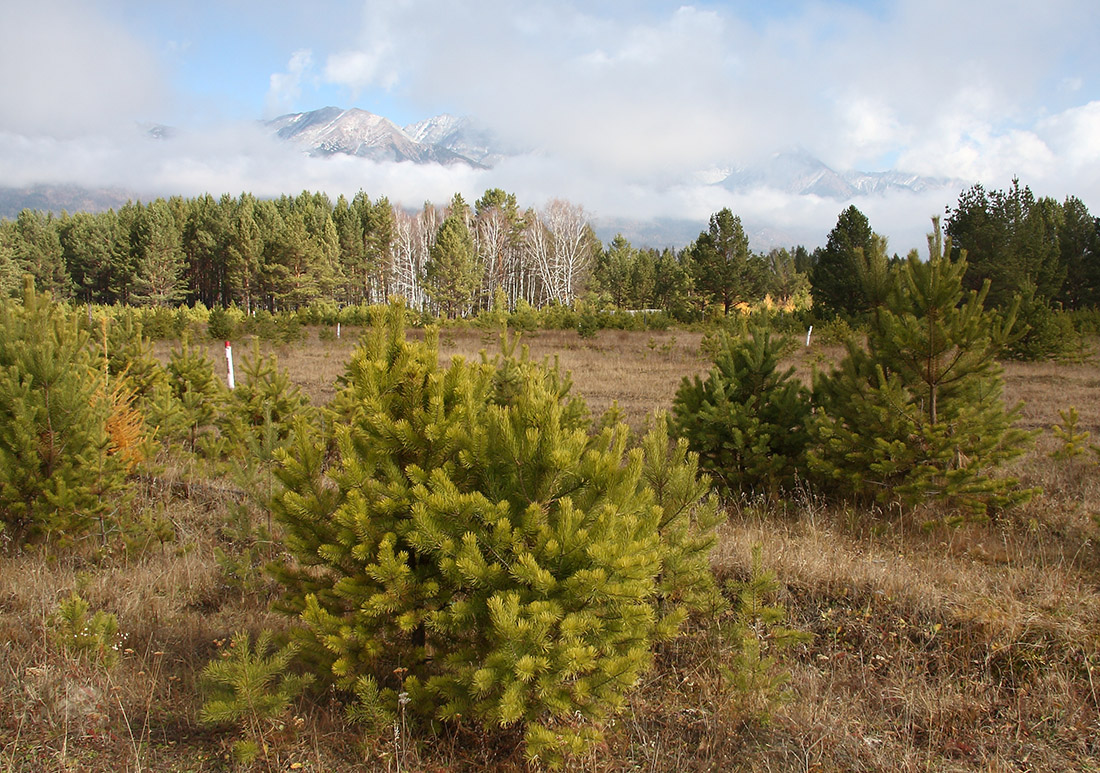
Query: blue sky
<point x="630" y="105"/>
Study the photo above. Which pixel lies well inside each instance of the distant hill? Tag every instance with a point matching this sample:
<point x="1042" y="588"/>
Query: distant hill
<point x="61" y="198"/>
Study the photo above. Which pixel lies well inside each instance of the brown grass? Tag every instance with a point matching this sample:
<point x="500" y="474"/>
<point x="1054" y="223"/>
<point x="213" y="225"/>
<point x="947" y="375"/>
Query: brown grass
<point x="968" y="649"/>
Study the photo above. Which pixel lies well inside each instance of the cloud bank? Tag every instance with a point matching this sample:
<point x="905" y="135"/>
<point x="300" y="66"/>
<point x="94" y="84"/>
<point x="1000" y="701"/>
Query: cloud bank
<point x="624" y="104"/>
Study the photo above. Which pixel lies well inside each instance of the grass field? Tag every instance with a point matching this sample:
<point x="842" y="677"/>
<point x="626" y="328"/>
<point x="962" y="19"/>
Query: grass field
<point x="933" y="649"/>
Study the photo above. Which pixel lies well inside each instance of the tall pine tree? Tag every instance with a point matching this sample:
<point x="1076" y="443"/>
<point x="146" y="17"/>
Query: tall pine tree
<point x="834" y="280"/>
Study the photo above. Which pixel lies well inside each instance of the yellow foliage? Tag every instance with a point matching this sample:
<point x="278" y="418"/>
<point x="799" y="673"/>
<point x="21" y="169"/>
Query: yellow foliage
<point x="126" y="424"/>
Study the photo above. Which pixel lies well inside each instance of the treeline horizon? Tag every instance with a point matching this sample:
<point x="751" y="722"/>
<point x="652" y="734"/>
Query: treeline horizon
<point x="459" y="260"/>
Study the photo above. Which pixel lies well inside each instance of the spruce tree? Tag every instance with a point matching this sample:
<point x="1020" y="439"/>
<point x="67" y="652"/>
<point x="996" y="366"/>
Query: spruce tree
<point x="474" y="551"/>
<point x="918" y="415"/>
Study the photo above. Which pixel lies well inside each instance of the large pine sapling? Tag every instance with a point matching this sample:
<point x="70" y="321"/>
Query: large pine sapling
<point x="918" y="415"/>
<point x="472" y="547"/>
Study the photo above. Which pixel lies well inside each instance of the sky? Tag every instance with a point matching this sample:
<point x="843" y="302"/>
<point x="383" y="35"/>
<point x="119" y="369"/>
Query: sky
<point x="627" y="105"/>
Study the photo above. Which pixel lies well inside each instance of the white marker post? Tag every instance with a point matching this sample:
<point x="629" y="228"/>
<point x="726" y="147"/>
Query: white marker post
<point x="229" y="361"/>
<point x="808" y="333"/>
<point x="337" y="331"/>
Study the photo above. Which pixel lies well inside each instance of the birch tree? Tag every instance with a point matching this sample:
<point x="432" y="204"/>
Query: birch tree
<point x="558" y="244"/>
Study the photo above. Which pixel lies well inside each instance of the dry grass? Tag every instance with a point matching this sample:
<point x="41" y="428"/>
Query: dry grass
<point x="971" y="649"/>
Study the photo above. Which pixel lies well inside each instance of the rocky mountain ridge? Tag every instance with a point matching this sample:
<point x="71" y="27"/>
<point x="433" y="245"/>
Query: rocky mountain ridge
<point x="448" y="139"/>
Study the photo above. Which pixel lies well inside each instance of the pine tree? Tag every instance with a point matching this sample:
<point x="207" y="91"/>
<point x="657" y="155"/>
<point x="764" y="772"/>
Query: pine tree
<point x="748" y="419"/>
<point x="158" y="280"/>
<point x="452" y="271"/>
<point x="724" y="270"/>
<point x="59" y="472"/>
<point x="9" y="270"/>
<point x="474" y="548"/>
<point x="918" y="415"/>
<point x="260" y="412"/>
<point x="37" y="251"/>
<point x="834" y="281"/>
<point x="194" y="389"/>
<point x="250" y="686"/>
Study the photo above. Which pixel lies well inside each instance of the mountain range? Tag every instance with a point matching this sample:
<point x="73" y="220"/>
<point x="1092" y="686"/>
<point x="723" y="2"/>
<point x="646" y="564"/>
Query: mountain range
<point x="443" y="139"/>
<point x="447" y="139"/>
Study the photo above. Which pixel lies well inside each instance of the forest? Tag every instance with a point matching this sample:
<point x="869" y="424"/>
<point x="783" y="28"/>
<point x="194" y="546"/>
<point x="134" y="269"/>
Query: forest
<point x="484" y="494"/>
<point x="454" y="261"/>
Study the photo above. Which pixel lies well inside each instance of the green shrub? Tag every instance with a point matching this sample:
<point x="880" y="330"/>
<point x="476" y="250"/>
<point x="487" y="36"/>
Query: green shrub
<point x="555" y="316"/>
<point x="1047" y="333"/>
<point x="59" y="471"/>
<point x="1073" y="438"/>
<point x="160" y="323"/>
<point x="755" y="670"/>
<point x="130" y="354"/>
<point x="195" y="389"/>
<point x="524" y="318"/>
<point x="747" y="420"/>
<point x="259" y="412"/>
<point x="250" y="687"/>
<point x="220" y="325"/>
<point x="473" y="547"/>
<point x="589" y="322"/>
<point x="93" y="638"/>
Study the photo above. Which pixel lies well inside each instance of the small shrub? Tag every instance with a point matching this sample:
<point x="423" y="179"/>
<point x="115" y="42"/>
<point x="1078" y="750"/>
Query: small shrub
<point x="588" y="323"/>
<point x="1045" y="333"/>
<point x="524" y="318"/>
<point x="755" y="670"/>
<point x="195" y="389"/>
<point x="1073" y="438"/>
<point x="250" y="687"/>
<point x="92" y="638"/>
<point x="259" y="412"/>
<point x="220" y="325"/>
<point x="130" y="354"/>
<point x="833" y="332"/>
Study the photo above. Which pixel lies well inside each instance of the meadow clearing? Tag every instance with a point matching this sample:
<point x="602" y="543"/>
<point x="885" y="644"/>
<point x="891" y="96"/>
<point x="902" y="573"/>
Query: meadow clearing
<point x="941" y="648"/>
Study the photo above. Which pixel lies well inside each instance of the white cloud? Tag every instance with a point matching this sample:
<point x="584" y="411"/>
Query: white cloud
<point x="68" y="70"/>
<point x="285" y="87"/>
<point x="1075" y="133"/>
<point x="357" y="70"/>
